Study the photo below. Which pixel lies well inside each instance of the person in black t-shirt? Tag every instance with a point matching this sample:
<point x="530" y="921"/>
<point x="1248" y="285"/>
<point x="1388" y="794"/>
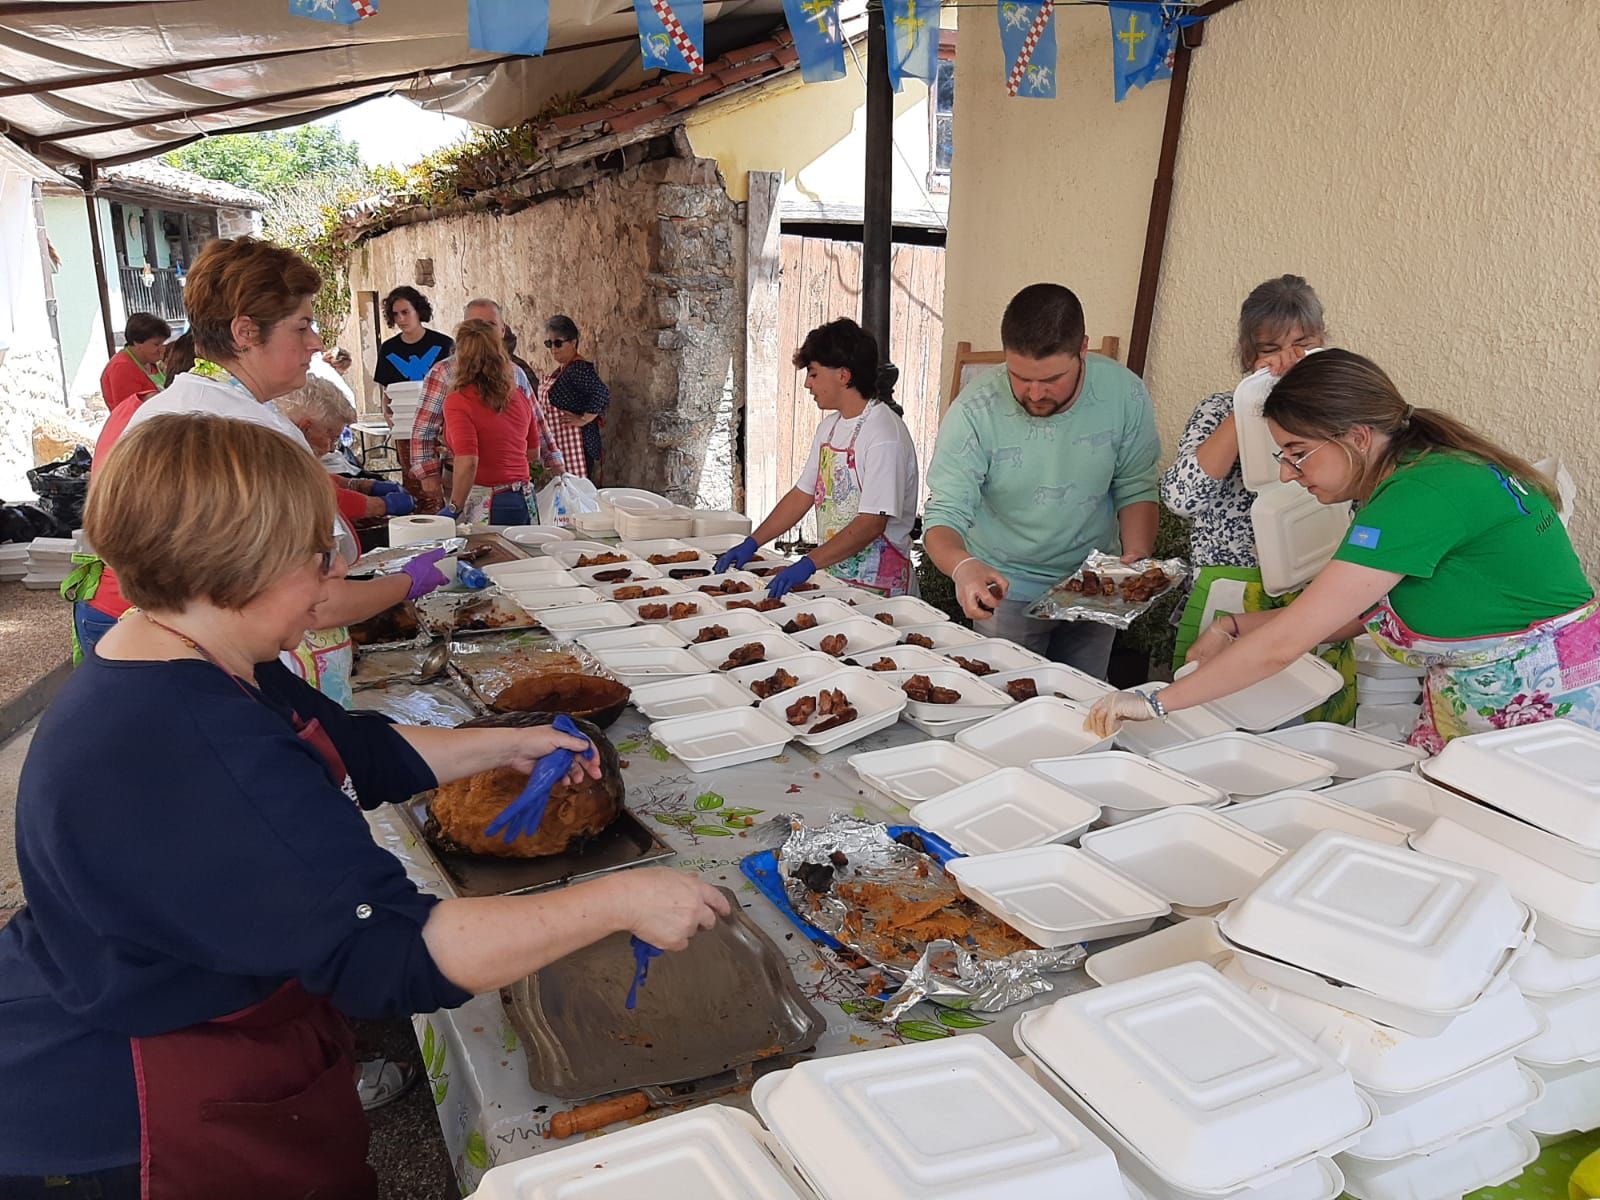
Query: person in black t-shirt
<point x="407" y="357"/>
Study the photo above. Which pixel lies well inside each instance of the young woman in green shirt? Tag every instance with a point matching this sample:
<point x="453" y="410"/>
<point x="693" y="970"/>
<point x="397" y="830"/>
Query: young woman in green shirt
<point x="1456" y="561"/>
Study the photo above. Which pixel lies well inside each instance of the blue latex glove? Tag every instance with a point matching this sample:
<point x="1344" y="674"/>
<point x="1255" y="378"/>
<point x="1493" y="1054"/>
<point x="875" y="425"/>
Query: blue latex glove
<point x="731" y="560"/>
<point x="643" y="952"/>
<point x="448" y="511"/>
<point x="383" y="487"/>
<point x="424" y="573"/>
<point x="522" y="815"/>
<point x="791" y="577"/>
<point x="398" y="503"/>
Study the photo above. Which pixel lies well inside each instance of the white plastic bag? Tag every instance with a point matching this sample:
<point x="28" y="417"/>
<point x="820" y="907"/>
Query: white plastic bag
<point x="564" y="497"/>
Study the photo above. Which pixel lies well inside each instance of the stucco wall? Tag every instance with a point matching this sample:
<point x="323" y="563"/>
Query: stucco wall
<point x="1053" y="190"/>
<point x="83" y="339"/>
<point x="1433" y="173"/>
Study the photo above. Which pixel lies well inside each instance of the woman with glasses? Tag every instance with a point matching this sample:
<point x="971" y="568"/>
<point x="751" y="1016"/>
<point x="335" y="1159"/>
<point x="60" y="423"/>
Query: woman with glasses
<point x="574" y="398"/>
<point x="1280" y="321"/>
<point x="1456" y="562"/>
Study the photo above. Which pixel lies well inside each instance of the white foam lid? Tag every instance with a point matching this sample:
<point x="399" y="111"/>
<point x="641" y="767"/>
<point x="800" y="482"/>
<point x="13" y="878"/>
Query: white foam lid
<point x="1193" y="940"/>
<point x="921" y="770"/>
<point x="906" y="610"/>
<point x="999" y="654"/>
<point x="1543" y="972"/>
<point x="1398" y="796"/>
<point x="945" y="635"/>
<point x="906" y="658"/>
<point x="1256" y="447"/>
<point x="826" y="609"/>
<point x="645" y="663"/>
<point x="1573" y="1033"/>
<point x="635" y="637"/>
<point x="1352" y="753"/>
<point x="1215" y="1092"/>
<point x="1479" y="1160"/>
<point x="538" y="595"/>
<point x="1492" y="1095"/>
<point x="1056" y="895"/>
<point x="1295" y="534"/>
<point x="738" y="622"/>
<point x="1571" y="1101"/>
<point x="1124" y="784"/>
<point x="1547" y="774"/>
<point x="1303" y="684"/>
<point x="1008" y="809"/>
<point x="1291" y="819"/>
<point x="1245" y="765"/>
<point x="948" y="1120"/>
<point x="1043" y="727"/>
<point x="1192" y="857"/>
<point x="580" y="618"/>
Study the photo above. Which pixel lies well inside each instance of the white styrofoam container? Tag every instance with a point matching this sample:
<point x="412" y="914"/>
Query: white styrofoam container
<point x="778" y="646"/>
<point x="877" y="704"/>
<point x="637" y="572"/>
<point x="921" y="770"/>
<point x="689" y="697"/>
<point x="1179" y="729"/>
<point x="1245" y="765"/>
<point x="1295" y="534"/>
<point x="738" y="623"/>
<point x="862" y="635"/>
<point x="907" y="611"/>
<point x="1543" y="972"/>
<point x="636" y="526"/>
<point x="1529" y="840"/>
<point x="707" y="605"/>
<point x="568" y="553"/>
<point x="635" y="637"/>
<point x="1390" y="1063"/>
<point x="634" y="666"/>
<point x="1480" y="1160"/>
<point x="1568" y="908"/>
<point x="551" y="573"/>
<point x="1492" y="1095"/>
<point x="1055" y="895"/>
<point x="584" y="618"/>
<point x="1008" y="809"/>
<point x="715" y="544"/>
<point x="1571" y="1101"/>
<point x="670" y="586"/>
<point x="1352" y="753"/>
<point x="945" y="635"/>
<point x="1399" y="796"/>
<point x="907" y="658"/>
<point x="1126" y="785"/>
<point x="1417" y="931"/>
<point x="1055" y="679"/>
<point x="1191" y="857"/>
<point x="1547" y="774"/>
<point x="595" y="525"/>
<point x="1256" y="447"/>
<point x="636" y="499"/>
<point x="1193" y="940"/>
<point x="721" y="522"/>
<point x="1043" y="727"/>
<point x="804" y="667"/>
<point x="728" y="738"/>
<point x="826" y="609"/>
<point x="1387" y="691"/>
<point x="1573" y="1032"/>
<point x="1291" y="819"/>
<point x="947" y="1120"/>
<point x="1303" y="684"/>
<point x="536" y="596"/>
<point x="710" y="1151"/>
<point x="1215" y="1093"/>
<point x="643" y="550"/>
<point x="1372" y="662"/>
<point x="977" y="699"/>
<point x="1396" y="722"/>
<point x="999" y="654"/>
<point x="701" y="582"/>
<point x="939" y="729"/>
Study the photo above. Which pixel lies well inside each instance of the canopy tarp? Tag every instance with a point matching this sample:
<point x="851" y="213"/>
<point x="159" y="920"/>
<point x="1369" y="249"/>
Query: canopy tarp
<point x="110" y="81"/>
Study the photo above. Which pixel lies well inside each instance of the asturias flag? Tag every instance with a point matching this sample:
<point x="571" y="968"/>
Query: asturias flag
<point x="913" y="29"/>
<point x="508" y="26"/>
<point x="817" y="38"/>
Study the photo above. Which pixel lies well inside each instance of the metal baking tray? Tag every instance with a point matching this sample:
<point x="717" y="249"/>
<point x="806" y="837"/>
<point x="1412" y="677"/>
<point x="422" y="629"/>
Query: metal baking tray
<point x="727" y="1001"/>
<point x="625" y="842"/>
<point x="499" y="550"/>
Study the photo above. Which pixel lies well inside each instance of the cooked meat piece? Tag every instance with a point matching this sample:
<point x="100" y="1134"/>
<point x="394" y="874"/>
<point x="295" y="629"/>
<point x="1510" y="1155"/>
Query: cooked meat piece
<point x="731" y="605"/>
<point x="919" y="639"/>
<point x="688" y="572"/>
<point x="834" y="644"/>
<point x="711" y="633"/>
<point x="653" y="612"/>
<point x="747" y="655"/>
<point x="800" y="621"/>
<point x="839" y="859"/>
<point x="883" y="664"/>
<point x="801" y="711"/>
<point x="1075" y="585"/>
<point x="817" y="877"/>
<point x="632" y="592"/>
<point x="684" y="608"/>
<point x="972" y="665"/>
<point x="735" y="587"/>
<point x="1144" y="586"/>
<point x="807" y="587"/>
<point x="763" y="569"/>
<point x="600" y="560"/>
<point x="830" y="700"/>
<point x="474" y="553"/>
<point x="768" y="605"/>
<point x="923" y="690"/>
<point x="655" y="591"/>
<point x="1091" y="583"/>
<point x="682" y="556"/>
<point x="615" y="575"/>
<point x="779" y="681"/>
<point x="885" y="618"/>
<point x="1108" y="587"/>
<point x="1022" y="689"/>
<point x="840" y="717"/>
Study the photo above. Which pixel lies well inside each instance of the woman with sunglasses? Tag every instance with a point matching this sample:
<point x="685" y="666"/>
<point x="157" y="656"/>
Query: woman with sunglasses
<point x="1456" y="561"/>
<point x="575" y="399"/>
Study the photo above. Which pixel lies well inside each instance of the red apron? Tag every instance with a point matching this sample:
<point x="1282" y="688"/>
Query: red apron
<point x="260" y="1104"/>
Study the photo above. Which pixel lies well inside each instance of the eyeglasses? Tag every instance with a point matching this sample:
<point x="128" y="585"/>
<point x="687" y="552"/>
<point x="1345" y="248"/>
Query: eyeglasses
<point x="1296" y="464"/>
<point x="325" y="563"/>
<point x="552" y="343"/>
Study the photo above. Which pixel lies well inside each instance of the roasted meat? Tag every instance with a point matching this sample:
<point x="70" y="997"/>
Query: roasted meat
<point x="799" y="622"/>
<point x="711" y="633"/>
<point x="919" y="639"/>
<point x="682" y="556"/>
<point x="972" y="665"/>
<point x="600" y="560"/>
<point x="684" y="608"/>
<point x="779" y="681"/>
<point x="834" y="644"/>
<point x="1022" y="689"/>
<point x="923" y="690"/>
<point x="615" y="575"/>
<point x="688" y="572"/>
<point x="885" y="618"/>
<point x="883" y="664"/>
<point x="746" y="655"/>
<point x="653" y="612"/>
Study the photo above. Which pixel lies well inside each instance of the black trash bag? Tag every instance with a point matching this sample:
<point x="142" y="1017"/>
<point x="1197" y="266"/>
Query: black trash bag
<point x="24" y="522"/>
<point x="62" y="487"/>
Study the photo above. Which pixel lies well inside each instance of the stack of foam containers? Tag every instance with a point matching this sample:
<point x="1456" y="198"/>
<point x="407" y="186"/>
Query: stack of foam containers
<point x="1525" y="803"/>
<point x="1388" y="693"/>
<point x="13" y="562"/>
<point x="49" y="562"/>
<point x="1400" y="964"/>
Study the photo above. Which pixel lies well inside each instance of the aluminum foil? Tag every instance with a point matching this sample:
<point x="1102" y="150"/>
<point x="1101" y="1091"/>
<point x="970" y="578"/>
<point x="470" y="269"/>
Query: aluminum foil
<point x="389" y="662"/>
<point x="387" y="560"/>
<point x="1058" y="603"/>
<point x="944" y="970"/>
<point x="433" y="704"/>
<point x="444" y="613"/>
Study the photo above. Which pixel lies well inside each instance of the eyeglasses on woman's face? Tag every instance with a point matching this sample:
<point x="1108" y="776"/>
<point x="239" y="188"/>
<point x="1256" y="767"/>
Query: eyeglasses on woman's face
<point x="552" y="343"/>
<point x="1295" y="462"/>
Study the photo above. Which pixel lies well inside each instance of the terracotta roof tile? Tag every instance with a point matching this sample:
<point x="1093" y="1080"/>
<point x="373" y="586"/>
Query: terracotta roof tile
<point x="624" y="122"/>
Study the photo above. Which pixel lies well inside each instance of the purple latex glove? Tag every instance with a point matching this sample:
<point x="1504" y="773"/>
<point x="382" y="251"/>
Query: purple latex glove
<point x="424" y="573"/>
<point x="791" y="576"/>
<point x="383" y="487"/>
<point x="397" y="503"/>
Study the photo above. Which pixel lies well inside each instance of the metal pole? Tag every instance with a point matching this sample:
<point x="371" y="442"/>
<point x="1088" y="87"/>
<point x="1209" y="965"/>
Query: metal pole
<point x="877" y="219"/>
<point x="90" y="187"/>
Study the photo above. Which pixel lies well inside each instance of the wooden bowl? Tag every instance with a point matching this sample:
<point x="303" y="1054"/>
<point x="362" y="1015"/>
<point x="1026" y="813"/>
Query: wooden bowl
<point x="599" y="701"/>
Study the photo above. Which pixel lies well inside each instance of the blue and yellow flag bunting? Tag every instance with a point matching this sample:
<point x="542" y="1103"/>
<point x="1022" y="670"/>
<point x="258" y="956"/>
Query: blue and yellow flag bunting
<point x="672" y="34"/>
<point x="1028" y="39"/>
<point x="336" y="12"/>
<point x="913" y="29"/>
<point x="1144" y="37"/>
<point x="817" y="38"/>
<point x="508" y="26"/>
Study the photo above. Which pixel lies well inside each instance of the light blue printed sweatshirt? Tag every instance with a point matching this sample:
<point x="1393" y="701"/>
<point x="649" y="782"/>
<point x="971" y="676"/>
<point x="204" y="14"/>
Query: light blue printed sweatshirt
<point x="1032" y="496"/>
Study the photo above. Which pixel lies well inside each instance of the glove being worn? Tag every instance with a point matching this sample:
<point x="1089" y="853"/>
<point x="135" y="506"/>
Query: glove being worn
<point x="524" y="813"/>
<point x="424" y="573"/>
<point x="383" y="487"/>
<point x="730" y="560"/>
<point x="643" y="952"/>
<point x="791" y="577"/>
<point x="397" y="502"/>
<point x="1110" y="712"/>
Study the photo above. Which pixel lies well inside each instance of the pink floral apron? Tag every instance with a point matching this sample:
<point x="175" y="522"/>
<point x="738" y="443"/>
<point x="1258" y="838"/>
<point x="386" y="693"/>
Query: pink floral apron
<point x="878" y="567"/>
<point x="1549" y="670"/>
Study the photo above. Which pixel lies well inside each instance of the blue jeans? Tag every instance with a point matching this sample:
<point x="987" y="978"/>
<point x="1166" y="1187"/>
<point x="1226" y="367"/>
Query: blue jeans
<point x="508" y="508"/>
<point x="1081" y="644"/>
<point x="90" y="624"/>
<point x="119" y="1183"/>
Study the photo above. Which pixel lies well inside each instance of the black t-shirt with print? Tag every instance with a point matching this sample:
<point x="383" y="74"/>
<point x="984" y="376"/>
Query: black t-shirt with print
<point x="400" y="361"/>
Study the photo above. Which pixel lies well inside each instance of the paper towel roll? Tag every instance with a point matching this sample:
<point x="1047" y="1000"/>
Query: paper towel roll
<point x="405" y="530"/>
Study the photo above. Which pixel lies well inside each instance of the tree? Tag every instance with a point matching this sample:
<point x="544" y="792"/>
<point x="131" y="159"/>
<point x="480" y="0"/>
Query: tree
<point x="268" y="162"/>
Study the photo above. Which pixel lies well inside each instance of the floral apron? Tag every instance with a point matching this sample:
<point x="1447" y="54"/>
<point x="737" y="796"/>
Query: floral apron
<point x="879" y="566"/>
<point x="1473" y="685"/>
<point x="480" y="502"/>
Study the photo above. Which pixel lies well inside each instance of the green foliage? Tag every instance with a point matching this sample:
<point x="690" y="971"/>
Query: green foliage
<point x="266" y="162"/>
<point x="935" y="586"/>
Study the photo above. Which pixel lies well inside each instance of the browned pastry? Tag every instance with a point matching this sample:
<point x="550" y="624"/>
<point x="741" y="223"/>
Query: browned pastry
<point x="600" y="560"/>
<point x="885" y="618"/>
<point x="615" y="575"/>
<point x="801" y="621"/>
<point x="883" y="664"/>
<point x="923" y="690"/>
<point x="779" y="681"/>
<point x="653" y="612"/>
<point x="682" y="556"/>
<point x="684" y="608"/>
<point x="972" y="665"/>
<point x="747" y="655"/>
<point x="834" y="644"/>
<point x="711" y="633"/>
<point x="1022" y="689"/>
<point x="919" y="639"/>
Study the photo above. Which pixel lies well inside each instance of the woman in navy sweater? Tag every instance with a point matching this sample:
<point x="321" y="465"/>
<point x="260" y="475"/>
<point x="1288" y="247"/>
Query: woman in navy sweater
<point x="204" y="896"/>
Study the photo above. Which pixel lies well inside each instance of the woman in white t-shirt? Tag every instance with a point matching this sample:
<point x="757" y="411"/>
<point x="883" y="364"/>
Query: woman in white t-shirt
<point x="861" y="475"/>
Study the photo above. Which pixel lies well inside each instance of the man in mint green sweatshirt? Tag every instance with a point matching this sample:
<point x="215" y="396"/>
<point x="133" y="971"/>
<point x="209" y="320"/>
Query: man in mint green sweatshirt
<point x="1038" y="462"/>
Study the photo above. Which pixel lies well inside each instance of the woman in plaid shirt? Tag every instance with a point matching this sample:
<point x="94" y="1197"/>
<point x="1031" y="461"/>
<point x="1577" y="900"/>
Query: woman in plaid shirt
<point x="574" y="398"/>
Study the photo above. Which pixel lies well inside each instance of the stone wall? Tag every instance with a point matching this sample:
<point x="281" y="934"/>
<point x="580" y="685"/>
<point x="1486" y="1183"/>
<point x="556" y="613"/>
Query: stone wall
<point x="649" y="262"/>
<point x="38" y="425"/>
<point x="238" y="222"/>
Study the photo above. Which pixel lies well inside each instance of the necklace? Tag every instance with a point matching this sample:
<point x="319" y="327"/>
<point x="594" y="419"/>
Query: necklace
<point x="196" y="647"/>
<point x="207" y="369"/>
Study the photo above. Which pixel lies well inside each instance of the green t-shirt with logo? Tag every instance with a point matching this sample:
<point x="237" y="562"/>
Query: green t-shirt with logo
<point x="1482" y="552"/>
